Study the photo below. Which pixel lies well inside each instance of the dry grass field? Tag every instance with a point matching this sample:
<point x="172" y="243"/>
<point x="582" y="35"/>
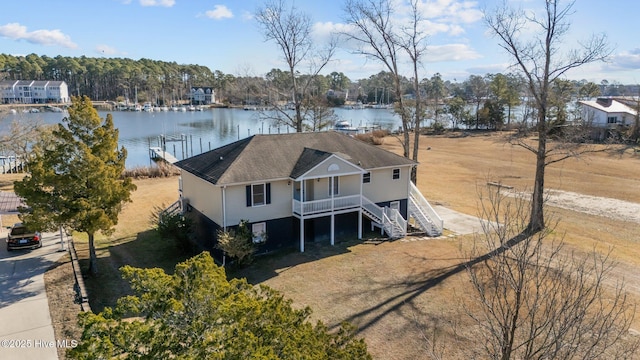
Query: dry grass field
<point x="404" y="295"/>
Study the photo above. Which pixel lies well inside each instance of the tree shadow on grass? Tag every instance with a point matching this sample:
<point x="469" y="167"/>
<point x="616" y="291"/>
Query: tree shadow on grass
<point x="147" y="250"/>
<point x="418" y="285"/>
<point x="267" y="266"/>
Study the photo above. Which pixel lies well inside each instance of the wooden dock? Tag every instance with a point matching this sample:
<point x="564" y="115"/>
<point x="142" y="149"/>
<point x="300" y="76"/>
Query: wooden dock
<point x="156" y="153"/>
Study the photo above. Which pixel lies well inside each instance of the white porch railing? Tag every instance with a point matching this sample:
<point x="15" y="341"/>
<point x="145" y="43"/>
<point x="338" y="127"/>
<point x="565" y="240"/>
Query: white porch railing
<point x="393" y="223"/>
<point x="423" y="213"/>
<point x="325" y="205"/>
<point x="389" y="220"/>
<point x="373" y="211"/>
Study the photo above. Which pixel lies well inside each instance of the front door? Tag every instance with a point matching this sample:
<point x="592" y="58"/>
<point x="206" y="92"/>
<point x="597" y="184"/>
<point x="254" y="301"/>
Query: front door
<point x="308" y="190"/>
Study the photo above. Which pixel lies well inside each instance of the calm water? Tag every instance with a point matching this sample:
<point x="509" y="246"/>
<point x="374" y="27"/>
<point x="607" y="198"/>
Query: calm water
<point x="199" y="130"/>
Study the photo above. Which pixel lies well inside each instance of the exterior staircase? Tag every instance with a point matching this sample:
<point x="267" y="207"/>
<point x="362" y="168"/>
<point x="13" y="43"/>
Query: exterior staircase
<point x="423" y="215"/>
<point x="173" y="209"/>
<point x="390" y="221"/>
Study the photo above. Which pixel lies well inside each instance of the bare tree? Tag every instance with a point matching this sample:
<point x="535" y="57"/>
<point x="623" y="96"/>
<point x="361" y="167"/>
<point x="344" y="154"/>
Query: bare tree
<point x="534" y="299"/>
<point x="480" y="89"/>
<point x="377" y="36"/>
<point x="320" y="115"/>
<point x="413" y="42"/>
<point x="23" y="134"/>
<point x="291" y="30"/>
<point x="542" y="59"/>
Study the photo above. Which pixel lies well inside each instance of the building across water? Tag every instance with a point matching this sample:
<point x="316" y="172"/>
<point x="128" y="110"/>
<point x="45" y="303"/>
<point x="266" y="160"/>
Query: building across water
<point x="33" y="92"/>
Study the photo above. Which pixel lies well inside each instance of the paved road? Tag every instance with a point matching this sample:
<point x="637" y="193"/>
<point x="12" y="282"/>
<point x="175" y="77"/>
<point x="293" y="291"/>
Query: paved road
<point x="26" y="331"/>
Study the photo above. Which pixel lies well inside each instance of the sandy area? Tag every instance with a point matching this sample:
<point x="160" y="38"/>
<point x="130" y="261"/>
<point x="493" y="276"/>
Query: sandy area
<point x="595" y="205"/>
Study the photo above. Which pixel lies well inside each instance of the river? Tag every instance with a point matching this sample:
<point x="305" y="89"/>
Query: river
<point x="200" y="131"/>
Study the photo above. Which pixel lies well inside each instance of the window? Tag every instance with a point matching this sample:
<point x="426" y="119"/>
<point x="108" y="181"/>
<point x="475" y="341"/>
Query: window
<point x="259" y="231"/>
<point x="396" y="174"/>
<point x="334" y="186"/>
<point x="258" y="194"/>
<point x="366" y="178"/>
<point x="612" y="119"/>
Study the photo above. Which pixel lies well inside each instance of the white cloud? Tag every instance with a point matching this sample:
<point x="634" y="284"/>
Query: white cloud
<point x="451" y="52"/>
<point x="164" y="3"/>
<point x="219" y="12"/>
<point x="628" y="60"/>
<point x="491" y="69"/>
<point x="247" y="15"/>
<point x="451" y="11"/>
<point x="16" y="31"/>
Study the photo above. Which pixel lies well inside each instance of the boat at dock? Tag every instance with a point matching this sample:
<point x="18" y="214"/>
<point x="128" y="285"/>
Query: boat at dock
<point x="345" y="127"/>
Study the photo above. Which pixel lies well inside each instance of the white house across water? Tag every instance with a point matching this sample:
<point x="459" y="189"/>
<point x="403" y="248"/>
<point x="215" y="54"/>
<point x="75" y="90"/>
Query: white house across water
<point x="33" y="92"/>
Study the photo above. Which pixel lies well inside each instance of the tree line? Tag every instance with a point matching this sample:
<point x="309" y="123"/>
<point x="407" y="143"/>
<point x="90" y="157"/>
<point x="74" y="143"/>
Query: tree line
<point x="112" y="78"/>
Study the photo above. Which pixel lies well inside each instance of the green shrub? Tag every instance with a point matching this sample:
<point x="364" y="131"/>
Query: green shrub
<point x="238" y="244"/>
<point x="173" y="226"/>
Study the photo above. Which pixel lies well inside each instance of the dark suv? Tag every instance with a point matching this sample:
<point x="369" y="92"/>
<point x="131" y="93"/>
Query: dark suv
<point x="22" y="238"/>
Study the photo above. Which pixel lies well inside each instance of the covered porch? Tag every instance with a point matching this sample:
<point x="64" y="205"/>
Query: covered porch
<point x="332" y="187"/>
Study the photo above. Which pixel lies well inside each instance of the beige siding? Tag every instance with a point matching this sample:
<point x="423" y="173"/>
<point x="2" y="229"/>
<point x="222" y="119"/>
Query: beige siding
<point x="384" y="188"/>
<point x="348" y="185"/>
<point x="202" y="195"/>
<point x="331" y="167"/>
<point x="237" y="204"/>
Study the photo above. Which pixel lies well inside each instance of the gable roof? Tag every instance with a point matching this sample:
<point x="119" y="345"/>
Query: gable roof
<point x="281" y="156"/>
<point x="609" y="106"/>
<point x="307" y="160"/>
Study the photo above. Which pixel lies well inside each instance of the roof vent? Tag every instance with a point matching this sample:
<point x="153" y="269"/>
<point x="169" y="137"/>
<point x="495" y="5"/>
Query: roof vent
<point x="221" y="158"/>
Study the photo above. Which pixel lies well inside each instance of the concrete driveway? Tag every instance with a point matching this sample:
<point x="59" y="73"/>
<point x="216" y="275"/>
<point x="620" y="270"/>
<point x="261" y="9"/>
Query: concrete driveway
<point x="26" y="331"/>
<point x="457" y="222"/>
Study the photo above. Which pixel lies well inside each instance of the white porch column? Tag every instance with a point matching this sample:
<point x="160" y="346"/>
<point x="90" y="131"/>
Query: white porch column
<point x="360" y="210"/>
<point x="360" y="223"/>
<point x="301" y="234"/>
<point x="333" y="229"/>
<point x="332" y="181"/>
<point x="224" y="208"/>
<point x="301" y="215"/>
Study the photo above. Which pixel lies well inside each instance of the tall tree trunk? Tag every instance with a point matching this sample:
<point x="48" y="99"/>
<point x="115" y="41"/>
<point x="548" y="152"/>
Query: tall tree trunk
<point x="418" y="118"/>
<point x="93" y="260"/>
<point x="536" y="220"/>
<point x="403" y="115"/>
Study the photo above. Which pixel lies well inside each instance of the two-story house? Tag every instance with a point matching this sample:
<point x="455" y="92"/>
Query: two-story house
<point x="302" y="187"/>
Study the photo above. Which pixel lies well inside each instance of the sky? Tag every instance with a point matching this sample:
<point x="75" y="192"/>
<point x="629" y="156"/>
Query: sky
<point x="224" y="35"/>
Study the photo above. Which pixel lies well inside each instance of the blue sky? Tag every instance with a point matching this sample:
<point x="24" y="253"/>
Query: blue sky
<point x="222" y="34"/>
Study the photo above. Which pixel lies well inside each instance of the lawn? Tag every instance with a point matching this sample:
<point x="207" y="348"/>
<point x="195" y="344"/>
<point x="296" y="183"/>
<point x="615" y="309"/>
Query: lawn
<point x="404" y="292"/>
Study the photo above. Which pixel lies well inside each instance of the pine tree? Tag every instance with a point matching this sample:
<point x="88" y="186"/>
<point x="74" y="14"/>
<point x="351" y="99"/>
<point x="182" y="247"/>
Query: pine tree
<point x="196" y="313"/>
<point x="75" y="177"/>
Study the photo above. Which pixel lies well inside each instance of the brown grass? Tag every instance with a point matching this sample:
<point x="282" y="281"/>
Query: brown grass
<point x="401" y="292"/>
<point x="375" y="137"/>
<point x="161" y="169"/>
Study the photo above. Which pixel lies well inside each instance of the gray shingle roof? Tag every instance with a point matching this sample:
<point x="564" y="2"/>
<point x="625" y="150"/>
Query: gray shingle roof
<point x="269" y="157"/>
